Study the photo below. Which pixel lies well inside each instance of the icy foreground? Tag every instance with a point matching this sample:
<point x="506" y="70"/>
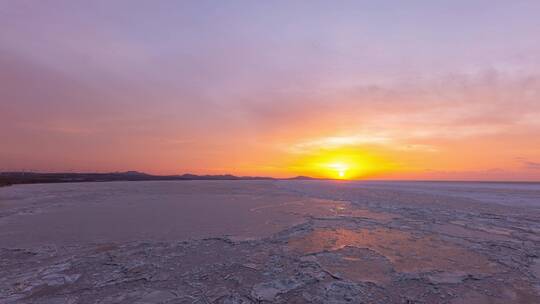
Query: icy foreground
<point x="270" y="242"/>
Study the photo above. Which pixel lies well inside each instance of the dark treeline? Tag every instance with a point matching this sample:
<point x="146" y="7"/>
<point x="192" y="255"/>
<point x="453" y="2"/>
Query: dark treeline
<point x="11" y="178"/>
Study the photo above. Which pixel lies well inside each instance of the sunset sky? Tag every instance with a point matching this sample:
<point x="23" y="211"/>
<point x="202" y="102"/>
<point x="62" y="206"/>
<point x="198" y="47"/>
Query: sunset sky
<point x="362" y="89"/>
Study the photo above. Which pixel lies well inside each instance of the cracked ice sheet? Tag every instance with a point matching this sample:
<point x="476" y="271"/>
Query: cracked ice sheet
<point x="351" y="244"/>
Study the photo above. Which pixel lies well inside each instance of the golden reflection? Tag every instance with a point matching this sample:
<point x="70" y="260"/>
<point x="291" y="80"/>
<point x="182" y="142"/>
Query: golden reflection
<point x="407" y="252"/>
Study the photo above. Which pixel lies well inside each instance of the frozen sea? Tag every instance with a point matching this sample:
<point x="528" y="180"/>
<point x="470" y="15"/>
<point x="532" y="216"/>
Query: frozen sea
<point x="270" y="242"/>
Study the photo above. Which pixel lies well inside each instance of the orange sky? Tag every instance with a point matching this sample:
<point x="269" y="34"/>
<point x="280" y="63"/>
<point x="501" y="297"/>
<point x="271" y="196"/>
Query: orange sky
<point x="441" y="92"/>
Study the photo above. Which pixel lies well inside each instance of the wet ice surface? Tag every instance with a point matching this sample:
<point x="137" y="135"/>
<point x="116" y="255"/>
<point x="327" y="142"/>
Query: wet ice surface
<point x="270" y="242"/>
<point x="63" y="214"/>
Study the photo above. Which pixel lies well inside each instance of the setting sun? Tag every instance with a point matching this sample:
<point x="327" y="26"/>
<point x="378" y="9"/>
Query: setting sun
<point x="343" y="164"/>
<point x="339" y="168"/>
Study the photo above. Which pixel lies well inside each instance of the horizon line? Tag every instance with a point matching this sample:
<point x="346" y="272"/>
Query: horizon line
<point x="305" y="177"/>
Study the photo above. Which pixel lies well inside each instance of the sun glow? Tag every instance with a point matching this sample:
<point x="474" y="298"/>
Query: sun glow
<point x="342" y="164"/>
<point x="339" y="168"/>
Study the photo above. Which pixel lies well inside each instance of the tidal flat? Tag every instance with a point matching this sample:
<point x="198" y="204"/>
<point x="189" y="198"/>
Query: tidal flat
<point x="270" y="242"/>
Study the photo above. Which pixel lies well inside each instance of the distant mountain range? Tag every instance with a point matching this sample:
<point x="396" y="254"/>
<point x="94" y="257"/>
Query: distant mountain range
<point x="9" y="178"/>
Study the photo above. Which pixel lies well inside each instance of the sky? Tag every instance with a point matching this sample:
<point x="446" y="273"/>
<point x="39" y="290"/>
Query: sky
<point x="444" y="90"/>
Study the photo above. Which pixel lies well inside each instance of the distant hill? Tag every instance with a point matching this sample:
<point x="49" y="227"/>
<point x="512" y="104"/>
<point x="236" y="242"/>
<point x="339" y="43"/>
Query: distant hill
<point x="7" y="178"/>
<point x="301" y="177"/>
<point x="2" y="184"/>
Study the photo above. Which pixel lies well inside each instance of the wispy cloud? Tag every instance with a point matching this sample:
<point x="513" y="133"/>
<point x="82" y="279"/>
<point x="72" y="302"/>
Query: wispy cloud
<point x="221" y="88"/>
<point x="358" y="141"/>
<point x="532" y="165"/>
<point x="333" y="142"/>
